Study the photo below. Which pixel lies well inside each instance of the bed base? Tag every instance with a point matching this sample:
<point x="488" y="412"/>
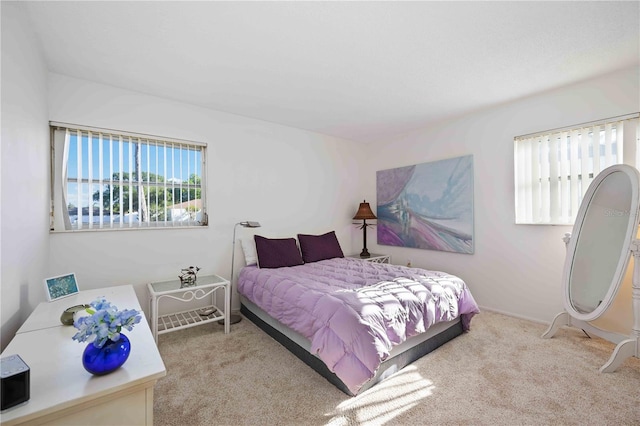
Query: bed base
<point x="387" y="368"/>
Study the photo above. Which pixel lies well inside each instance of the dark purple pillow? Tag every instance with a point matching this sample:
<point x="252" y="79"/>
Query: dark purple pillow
<point x="319" y="247"/>
<point x="277" y="252"/>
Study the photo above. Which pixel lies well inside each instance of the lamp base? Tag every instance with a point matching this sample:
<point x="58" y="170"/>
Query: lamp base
<point x="365" y="253"/>
<point x="233" y="319"/>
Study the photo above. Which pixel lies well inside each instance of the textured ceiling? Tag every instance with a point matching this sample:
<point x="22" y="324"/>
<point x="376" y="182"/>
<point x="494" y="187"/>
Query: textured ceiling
<point x="358" y="70"/>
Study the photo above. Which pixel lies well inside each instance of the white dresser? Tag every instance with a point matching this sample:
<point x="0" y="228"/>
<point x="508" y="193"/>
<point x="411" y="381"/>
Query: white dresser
<point x="62" y="391"/>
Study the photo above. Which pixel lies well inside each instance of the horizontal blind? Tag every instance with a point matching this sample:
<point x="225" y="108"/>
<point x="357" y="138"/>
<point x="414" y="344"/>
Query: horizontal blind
<point x="554" y="169"/>
<point x="126" y="181"/>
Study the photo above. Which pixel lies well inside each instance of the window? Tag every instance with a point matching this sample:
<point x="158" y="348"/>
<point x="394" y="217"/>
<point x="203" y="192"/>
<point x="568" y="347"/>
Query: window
<point x="553" y="169"/>
<point x="104" y="179"/>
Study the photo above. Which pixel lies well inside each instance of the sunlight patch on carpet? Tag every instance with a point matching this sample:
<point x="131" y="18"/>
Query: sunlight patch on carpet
<point x="374" y="406"/>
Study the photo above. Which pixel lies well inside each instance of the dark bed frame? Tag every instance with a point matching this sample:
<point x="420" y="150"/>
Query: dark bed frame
<point x="387" y="367"/>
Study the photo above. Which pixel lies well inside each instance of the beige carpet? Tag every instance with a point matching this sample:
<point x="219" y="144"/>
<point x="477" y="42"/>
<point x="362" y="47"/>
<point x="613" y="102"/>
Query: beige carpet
<point x="501" y="372"/>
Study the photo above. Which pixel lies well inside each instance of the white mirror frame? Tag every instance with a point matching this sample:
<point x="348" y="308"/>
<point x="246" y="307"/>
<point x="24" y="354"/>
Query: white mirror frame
<point x="625" y="253"/>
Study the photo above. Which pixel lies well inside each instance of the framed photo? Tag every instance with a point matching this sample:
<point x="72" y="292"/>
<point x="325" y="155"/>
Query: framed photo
<point x="61" y="286"/>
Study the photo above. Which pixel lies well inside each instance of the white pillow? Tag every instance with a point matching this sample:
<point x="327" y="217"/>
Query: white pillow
<point x="249" y="249"/>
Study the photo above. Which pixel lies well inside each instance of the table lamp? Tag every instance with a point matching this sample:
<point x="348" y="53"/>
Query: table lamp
<point x="364" y="212"/>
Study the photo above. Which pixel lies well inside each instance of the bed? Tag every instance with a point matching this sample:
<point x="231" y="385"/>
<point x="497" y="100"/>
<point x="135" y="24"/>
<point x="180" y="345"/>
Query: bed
<point x="354" y="322"/>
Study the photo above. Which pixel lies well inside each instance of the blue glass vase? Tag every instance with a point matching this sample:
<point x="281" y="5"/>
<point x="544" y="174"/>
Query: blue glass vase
<point x="108" y="358"/>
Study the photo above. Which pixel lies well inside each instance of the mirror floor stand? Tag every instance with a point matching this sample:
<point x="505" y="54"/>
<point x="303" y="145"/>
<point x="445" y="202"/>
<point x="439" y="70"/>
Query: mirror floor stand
<point x="626" y="346"/>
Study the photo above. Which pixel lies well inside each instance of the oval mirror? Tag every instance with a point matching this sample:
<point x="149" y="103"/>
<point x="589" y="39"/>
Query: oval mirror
<point x="599" y="249"/>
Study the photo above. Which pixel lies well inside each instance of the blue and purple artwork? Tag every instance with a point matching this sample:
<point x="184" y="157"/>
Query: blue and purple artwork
<point x="427" y="206"/>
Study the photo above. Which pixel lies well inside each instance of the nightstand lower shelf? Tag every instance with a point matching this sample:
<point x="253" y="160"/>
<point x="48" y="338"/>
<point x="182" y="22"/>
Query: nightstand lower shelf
<point x="186" y="319"/>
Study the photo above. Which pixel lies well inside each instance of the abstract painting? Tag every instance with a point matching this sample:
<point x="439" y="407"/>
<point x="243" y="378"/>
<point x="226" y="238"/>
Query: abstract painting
<point x="427" y="206"/>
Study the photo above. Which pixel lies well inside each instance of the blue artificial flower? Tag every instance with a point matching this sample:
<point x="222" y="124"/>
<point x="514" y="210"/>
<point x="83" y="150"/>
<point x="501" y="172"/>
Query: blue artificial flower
<point x="101" y="304"/>
<point x="104" y="323"/>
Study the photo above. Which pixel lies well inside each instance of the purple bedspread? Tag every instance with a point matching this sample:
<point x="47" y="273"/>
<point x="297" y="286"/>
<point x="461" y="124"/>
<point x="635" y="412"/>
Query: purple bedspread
<point x="353" y="312"/>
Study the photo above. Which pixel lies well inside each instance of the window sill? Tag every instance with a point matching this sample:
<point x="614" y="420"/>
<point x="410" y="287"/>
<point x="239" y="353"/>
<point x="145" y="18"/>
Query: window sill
<point x="127" y="229"/>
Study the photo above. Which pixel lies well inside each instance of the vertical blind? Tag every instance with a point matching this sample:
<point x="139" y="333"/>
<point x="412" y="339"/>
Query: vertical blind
<point x="553" y="169"/>
<point x="116" y="180"/>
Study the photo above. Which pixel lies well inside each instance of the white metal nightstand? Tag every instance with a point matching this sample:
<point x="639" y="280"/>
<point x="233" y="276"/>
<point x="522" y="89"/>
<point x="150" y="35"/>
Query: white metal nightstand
<point x="203" y="287"/>
<point x="375" y="257"/>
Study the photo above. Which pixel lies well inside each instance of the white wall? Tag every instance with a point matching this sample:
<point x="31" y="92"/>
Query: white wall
<point x="516" y="269"/>
<point x="24" y="200"/>
<point x="291" y="181"/>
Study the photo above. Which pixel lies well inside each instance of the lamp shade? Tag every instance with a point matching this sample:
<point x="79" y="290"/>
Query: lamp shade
<point x="249" y="224"/>
<point x="364" y="211"/>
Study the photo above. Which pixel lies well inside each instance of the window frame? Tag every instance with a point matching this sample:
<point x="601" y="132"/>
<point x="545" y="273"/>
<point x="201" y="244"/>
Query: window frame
<point x="60" y="219"/>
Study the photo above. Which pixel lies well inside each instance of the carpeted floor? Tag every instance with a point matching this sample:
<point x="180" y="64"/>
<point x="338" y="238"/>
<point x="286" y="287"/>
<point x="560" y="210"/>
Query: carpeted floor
<point x="500" y="373"/>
